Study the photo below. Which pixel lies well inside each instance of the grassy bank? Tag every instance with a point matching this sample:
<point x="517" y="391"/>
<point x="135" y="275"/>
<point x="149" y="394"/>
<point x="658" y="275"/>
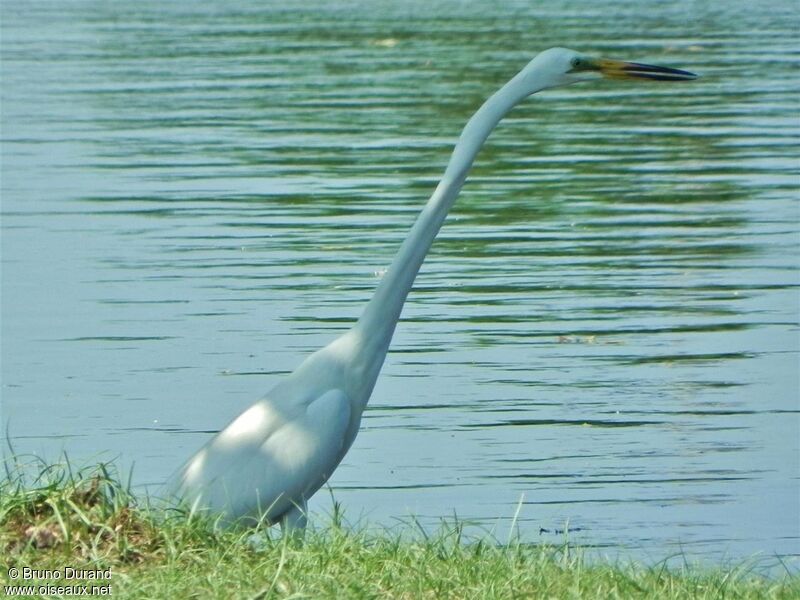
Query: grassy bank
<point x="61" y="523"/>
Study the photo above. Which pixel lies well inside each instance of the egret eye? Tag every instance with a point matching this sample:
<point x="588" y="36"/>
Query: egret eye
<point x="575" y="62"/>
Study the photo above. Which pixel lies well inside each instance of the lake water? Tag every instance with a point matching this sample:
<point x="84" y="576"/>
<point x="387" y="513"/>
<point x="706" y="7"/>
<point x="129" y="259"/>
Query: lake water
<point x="197" y="195"/>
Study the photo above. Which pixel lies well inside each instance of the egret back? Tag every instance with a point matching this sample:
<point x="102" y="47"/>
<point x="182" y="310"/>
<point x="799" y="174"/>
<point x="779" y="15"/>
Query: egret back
<point x="273" y="456"/>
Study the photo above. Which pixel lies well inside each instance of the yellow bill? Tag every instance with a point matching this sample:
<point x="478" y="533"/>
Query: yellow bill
<point x="631" y="70"/>
<point x="618" y="69"/>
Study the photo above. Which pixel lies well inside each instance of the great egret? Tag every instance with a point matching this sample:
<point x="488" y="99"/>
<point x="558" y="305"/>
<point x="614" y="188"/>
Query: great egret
<point x="271" y="459"/>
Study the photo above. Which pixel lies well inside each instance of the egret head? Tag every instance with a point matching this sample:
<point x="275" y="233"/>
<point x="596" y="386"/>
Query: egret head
<point x="561" y="66"/>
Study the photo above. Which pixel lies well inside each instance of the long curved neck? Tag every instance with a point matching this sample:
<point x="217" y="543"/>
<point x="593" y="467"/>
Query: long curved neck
<point x="377" y="323"/>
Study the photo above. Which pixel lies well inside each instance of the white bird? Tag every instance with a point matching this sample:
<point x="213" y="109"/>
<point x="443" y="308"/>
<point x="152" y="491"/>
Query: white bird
<point x="267" y="463"/>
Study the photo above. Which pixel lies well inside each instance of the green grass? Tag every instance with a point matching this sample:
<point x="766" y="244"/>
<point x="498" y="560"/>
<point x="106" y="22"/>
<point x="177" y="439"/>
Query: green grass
<point x="58" y="518"/>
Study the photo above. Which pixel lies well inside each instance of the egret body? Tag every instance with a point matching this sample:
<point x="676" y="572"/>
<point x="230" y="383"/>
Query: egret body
<point x="273" y="457"/>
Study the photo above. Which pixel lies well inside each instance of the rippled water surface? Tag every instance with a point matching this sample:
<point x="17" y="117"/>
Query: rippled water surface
<point x="197" y="195"/>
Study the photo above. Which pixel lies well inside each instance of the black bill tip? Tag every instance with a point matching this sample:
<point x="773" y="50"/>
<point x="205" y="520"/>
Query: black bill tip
<point x="642" y="71"/>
